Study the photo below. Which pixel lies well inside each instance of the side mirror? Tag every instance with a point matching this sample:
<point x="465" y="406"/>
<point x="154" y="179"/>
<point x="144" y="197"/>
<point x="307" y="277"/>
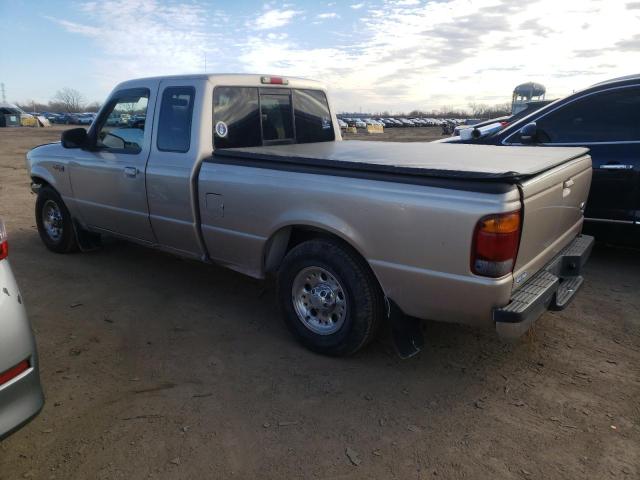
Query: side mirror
<point x="74" y="138"/>
<point x="529" y="133"/>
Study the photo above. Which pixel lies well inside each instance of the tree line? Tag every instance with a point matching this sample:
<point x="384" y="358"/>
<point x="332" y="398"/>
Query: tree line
<point x="66" y="100"/>
<point x="475" y="110"/>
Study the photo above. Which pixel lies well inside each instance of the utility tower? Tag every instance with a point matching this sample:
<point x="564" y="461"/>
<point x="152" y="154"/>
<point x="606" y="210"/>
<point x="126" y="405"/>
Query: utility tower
<point x="4" y="97"/>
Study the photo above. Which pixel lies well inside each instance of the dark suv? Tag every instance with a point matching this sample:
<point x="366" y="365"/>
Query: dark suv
<point x="606" y="119"/>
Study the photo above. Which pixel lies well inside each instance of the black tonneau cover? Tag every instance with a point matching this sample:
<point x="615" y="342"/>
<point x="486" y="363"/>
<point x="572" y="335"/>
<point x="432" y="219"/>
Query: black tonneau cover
<point x="457" y="163"/>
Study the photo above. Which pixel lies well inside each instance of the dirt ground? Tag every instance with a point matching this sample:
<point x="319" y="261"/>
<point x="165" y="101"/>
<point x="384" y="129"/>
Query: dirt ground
<point x="156" y="367"/>
<point x="410" y="134"/>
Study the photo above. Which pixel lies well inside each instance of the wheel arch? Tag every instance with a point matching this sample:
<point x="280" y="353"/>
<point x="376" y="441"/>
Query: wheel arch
<point x="42" y="178"/>
<point x="288" y="236"/>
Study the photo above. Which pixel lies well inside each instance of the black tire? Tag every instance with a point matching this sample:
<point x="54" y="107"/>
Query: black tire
<point x="66" y="241"/>
<point x="364" y="298"/>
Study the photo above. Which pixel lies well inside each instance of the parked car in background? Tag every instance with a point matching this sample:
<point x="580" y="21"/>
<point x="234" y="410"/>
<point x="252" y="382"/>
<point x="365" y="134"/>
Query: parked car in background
<point x="113" y="119"/>
<point x="85" y="118"/>
<point x="605" y="118"/>
<point x="528" y="109"/>
<point x="137" y="121"/>
<point x="503" y="121"/>
<point x="21" y="396"/>
<point x="50" y="116"/>
<point x="67" y="118"/>
<point x="343" y="125"/>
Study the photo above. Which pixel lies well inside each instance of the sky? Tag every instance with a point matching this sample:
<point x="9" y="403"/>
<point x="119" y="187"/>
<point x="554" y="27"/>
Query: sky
<point x="377" y="55"/>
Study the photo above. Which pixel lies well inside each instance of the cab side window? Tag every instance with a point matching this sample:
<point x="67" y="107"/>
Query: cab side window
<point x="174" y="124"/>
<point x="612" y="116"/>
<point x="122" y="125"/>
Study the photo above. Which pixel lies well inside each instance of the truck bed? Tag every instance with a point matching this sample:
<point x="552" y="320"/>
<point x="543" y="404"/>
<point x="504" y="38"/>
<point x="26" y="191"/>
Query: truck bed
<point x="506" y="165"/>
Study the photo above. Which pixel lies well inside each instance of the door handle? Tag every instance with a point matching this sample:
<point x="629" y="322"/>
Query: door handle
<point x="130" y="171"/>
<point x="616" y="166"/>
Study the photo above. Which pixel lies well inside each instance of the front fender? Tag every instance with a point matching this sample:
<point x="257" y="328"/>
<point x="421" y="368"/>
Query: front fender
<point x="48" y="163"/>
<point x="40" y="175"/>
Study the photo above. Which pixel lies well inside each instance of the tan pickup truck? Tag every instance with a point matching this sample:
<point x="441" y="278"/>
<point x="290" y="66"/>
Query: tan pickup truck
<point x="250" y="172"/>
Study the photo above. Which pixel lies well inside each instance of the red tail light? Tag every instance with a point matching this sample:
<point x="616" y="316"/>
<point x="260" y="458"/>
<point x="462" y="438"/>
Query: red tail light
<point x="13" y="372"/>
<point x="274" y="80"/>
<point x="4" y="244"/>
<point x="495" y="244"/>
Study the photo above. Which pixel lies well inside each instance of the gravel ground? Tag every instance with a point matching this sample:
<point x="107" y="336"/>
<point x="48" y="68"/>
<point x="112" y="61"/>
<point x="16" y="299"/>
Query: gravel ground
<point x="156" y="367"/>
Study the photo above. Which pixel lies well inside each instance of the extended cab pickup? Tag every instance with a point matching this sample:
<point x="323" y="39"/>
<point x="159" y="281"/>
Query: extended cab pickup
<point x="250" y="172"/>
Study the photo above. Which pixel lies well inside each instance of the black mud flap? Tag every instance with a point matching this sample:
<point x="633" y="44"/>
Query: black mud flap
<point x="407" y="335"/>
<point x="87" y="241"/>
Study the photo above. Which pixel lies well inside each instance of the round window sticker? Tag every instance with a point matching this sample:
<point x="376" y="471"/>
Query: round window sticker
<point x="221" y="129"/>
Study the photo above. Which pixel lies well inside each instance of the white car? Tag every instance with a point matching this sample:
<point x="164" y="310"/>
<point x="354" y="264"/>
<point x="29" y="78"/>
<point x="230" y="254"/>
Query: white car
<point x="85" y="118"/>
<point x="21" y="395"/>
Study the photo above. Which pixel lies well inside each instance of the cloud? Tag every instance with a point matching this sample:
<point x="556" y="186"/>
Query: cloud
<point x="633" y="5"/>
<point x="535" y="25"/>
<point x="76" y="27"/>
<point x="513" y="68"/>
<point x="395" y="55"/>
<point x="324" y="16"/>
<point x="274" y="19"/>
<point x="574" y="73"/>
<point x="631" y="45"/>
<point x="146" y="38"/>
<point x="588" y="53"/>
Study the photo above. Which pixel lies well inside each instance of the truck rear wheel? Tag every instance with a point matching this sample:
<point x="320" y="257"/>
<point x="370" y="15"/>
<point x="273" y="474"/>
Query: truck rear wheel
<point x="54" y="222"/>
<point x="330" y="299"/>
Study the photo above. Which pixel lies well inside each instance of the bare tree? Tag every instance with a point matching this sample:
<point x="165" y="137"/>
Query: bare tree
<point x="92" y="107"/>
<point x="71" y="99"/>
<point x="481" y="110"/>
<point x="129" y="107"/>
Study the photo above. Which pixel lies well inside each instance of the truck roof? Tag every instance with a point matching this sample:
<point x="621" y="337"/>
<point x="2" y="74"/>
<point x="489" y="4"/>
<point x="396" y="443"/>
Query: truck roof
<point x="452" y="161"/>
<point x="249" y="79"/>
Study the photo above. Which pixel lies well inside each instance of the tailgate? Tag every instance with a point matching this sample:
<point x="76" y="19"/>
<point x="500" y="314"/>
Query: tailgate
<point x="553" y="211"/>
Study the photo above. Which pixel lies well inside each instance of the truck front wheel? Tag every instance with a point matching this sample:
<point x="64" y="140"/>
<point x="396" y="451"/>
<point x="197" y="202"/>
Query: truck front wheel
<point x="54" y="222"/>
<point x="329" y="297"/>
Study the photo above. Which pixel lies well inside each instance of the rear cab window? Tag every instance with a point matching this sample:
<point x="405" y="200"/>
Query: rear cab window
<point x="174" y="124"/>
<point x="254" y="116"/>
